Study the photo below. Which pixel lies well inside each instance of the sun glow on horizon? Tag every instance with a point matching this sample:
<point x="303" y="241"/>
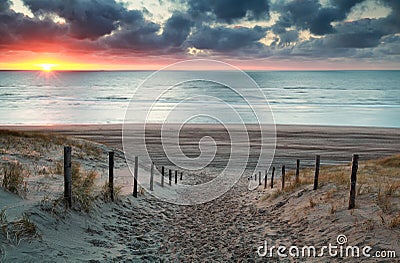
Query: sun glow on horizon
<point x="72" y="63"/>
<point x="50" y="65"/>
<point x="47" y="67"/>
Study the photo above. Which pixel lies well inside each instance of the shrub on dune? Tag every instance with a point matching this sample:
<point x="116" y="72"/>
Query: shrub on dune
<point x="13" y="178"/>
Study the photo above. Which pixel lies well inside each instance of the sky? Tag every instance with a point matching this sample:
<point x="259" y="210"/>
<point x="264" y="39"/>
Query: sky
<point x="250" y="34"/>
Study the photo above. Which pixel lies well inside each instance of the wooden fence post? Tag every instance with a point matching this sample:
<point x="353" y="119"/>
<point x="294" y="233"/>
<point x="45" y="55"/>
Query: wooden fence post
<point x="181" y="176"/>
<point x="67" y="176"/>
<point x="266" y="179"/>
<point x="317" y="162"/>
<point x="151" y="177"/>
<point x="259" y="178"/>
<point x="135" y="177"/>
<point x="353" y="181"/>
<point x="283" y="177"/>
<point x="297" y="180"/>
<point x="162" y="176"/>
<point x="176" y="176"/>
<point x="255" y="177"/>
<point x="111" y="175"/>
<point x="272" y="177"/>
<point x="170" y="176"/>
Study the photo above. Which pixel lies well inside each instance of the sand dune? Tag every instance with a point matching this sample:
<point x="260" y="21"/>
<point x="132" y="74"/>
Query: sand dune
<point x="228" y="229"/>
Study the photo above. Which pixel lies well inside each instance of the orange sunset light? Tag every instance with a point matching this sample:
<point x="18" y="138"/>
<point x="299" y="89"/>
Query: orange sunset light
<point x="50" y="65"/>
<point x="47" y="67"/>
<point x="64" y="64"/>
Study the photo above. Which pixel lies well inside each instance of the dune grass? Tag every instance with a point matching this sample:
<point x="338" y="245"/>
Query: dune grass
<point x="42" y="155"/>
<point x="376" y="179"/>
<point x="380" y="176"/>
<point x="83" y="188"/>
<point x="18" y="230"/>
<point x="85" y="193"/>
<point x="13" y="175"/>
<point x="54" y="206"/>
<point x="34" y="145"/>
<point x="395" y="222"/>
<point x="105" y="194"/>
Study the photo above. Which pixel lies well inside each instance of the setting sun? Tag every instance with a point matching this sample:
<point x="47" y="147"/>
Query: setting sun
<point x="47" y="67"/>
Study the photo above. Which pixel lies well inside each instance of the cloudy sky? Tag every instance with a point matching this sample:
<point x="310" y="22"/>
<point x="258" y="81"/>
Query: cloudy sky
<point x="251" y="34"/>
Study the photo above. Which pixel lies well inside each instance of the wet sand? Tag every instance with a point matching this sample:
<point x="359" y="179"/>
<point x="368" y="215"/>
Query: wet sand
<point x="335" y="144"/>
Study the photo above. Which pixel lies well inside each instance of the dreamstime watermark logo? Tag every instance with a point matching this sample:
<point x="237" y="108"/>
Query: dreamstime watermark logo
<point x="340" y="249"/>
<point x="172" y="101"/>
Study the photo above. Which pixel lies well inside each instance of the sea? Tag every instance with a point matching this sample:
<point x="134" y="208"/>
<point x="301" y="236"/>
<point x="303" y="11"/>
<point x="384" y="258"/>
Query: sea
<point x="340" y="98"/>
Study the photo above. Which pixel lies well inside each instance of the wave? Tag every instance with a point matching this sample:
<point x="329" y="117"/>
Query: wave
<point x="300" y="87"/>
<point x="111" y="98"/>
<point x="38" y="97"/>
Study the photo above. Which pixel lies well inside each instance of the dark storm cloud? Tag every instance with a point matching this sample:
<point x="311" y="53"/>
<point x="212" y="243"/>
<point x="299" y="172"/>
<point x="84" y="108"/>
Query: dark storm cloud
<point x="344" y="6"/>
<point x="316" y="48"/>
<point x="4" y="5"/>
<point x="392" y="22"/>
<point x="365" y="38"/>
<point x="16" y="29"/>
<point x="87" y="19"/>
<point x="143" y="35"/>
<point x="357" y="34"/>
<point x="365" y="33"/>
<point x="226" y="39"/>
<point x="176" y="29"/>
<point x="286" y="38"/>
<point x="230" y="10"/>
<point x="113" y="26"/>
<point x="309" y="14"/>
<point x="345" y="39"/>
<point x="390" y="46"/>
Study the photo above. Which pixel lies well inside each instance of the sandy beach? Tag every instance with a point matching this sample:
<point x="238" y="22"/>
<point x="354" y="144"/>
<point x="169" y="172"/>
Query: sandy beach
<point x="228" y="229"/>
<point x="335" y="144"/>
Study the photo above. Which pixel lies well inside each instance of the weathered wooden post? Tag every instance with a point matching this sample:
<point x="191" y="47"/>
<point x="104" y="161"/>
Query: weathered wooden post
<point x="170" y="176"/>
<point x="272" y="177"/>
<point x="135" y="177"/>
<point x="67" y="176"/>
<point x="176" y="176"/>
<point x="265" y="179"/>
<point x="181" y="176"/>
<point x="297" y="180"/>
<point x="353" y="181"/>
<point x="111" y="175"/>
<point x="151" y="177"/>
<point x="317" y="161"/>
<point x="283" y="177"/>
<point x="259" y="178"/>
<point x="162" y="176"/>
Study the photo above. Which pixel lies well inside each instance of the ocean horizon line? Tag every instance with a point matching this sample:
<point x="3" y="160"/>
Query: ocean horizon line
<point x="38" y="125"/>
<point x="205" y="70"/>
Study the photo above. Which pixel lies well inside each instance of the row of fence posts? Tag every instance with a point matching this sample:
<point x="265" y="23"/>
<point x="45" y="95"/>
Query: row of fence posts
<point x="353" y="177"/>
<point x="68" y="176"/>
